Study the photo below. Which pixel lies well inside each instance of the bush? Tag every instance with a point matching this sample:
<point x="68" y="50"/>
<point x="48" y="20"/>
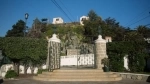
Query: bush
<point x="41" y="70"/>
<point x="11" y="74"/>
<point x="105" y="61"/>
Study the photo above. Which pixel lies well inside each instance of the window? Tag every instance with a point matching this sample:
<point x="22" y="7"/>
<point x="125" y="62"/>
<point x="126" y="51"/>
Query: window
<point x="83" y="19"/>
<point x="57" y="19"/>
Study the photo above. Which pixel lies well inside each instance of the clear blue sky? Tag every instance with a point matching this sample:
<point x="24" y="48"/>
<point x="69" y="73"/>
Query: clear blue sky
<point x="127" y="12"/>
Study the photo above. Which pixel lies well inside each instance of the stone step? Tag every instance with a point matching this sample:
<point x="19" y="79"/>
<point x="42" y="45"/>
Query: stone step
<point x="78" y="79"/>
<point x="76" y="76"/>
<point x="80" y="70"/>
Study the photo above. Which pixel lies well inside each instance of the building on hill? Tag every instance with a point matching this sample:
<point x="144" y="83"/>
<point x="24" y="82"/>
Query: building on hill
<point x="108" y="39"/>
<point x="57" y="20"/>
<point x="82" y="18"/>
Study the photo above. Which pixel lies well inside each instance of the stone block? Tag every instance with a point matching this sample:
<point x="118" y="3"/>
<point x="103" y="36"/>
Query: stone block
<point x="124" y="76"/>
<point x="134" y="77"/>
<point x="139" y="77"/>
<point x="129" y="76"/>
<point x="145" y="78"/>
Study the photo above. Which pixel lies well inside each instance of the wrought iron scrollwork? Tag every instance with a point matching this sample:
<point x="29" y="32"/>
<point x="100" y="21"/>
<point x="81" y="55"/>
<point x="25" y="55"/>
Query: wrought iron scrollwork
<point x="54" y="56"/>
<point x="86" y="57"/>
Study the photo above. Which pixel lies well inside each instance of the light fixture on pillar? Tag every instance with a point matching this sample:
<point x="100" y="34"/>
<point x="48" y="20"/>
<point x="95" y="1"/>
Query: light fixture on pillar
<point x="26" y="17"/>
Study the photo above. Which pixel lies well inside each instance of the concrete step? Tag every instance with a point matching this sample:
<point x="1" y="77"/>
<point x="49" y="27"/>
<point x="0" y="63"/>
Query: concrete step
<point x="88" y="76"/>
<point x="78" y="79"/>
<point x="78" y="75"/>
<point x="80" y="70"/>
<point x="81" y="74"/>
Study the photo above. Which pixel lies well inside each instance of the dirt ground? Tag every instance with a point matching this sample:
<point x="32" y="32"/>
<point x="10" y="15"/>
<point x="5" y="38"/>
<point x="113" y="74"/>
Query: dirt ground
<point x="25" y="76"/>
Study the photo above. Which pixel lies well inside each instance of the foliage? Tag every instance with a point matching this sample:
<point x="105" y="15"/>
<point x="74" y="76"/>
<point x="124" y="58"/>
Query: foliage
<point x="41" y="70"/>
<point x="116" y="51"/>
<point x="135" y="51"/>
<point x="112" y="28"/>
<point x="37" y="28"/>
<point x="91" y="26"/>
<point x="30" y="50"/>
<point x="137" y="55"/>
<point x="144" y="31"/>
<point x="17" y="30"/>
<point x="105" y="61"/>
<point x="11" y="74"/>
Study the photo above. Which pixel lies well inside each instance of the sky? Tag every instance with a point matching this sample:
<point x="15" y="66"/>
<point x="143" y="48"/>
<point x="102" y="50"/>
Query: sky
<point x="129" y="13"/>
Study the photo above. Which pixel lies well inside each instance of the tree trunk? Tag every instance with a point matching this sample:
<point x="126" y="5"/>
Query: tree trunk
<point x="25" y="69"/>
<point x="16" y="67"/>
<point x="39" y="66"/>
<point x="32" y="69"/>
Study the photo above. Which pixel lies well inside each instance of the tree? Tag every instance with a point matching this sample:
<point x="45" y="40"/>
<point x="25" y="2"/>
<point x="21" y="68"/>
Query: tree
<point x="113" y="29"/>
<point x="14" y="48"/>
<point x="91" y="26"/>
<point x="35" y="31"/>
<point x="24" y="50"/>
<point x="17" y="30"/>
<point x="144" y="31"/>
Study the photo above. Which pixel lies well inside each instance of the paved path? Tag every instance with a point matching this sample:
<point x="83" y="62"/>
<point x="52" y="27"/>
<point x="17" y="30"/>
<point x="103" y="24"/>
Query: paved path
<point x="31" y="81"/>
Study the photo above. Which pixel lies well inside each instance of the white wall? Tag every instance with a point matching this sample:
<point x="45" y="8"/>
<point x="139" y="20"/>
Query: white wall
<point x="81" y="19"/>
<point x="60" y="20"/>
<point x="6" y="67"/>
<point x="126" y="62"/>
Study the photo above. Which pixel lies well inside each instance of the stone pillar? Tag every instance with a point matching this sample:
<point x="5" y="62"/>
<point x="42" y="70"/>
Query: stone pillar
<point x="53" y="56"/>
<point x="100" y="45"/>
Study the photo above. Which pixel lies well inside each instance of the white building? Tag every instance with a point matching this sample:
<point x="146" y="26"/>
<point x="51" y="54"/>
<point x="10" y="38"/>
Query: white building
<point x="82" y="19"/>
<point x="108" y="39"/>
<point x="147" y="39"/>
<point x="57" y="20"/>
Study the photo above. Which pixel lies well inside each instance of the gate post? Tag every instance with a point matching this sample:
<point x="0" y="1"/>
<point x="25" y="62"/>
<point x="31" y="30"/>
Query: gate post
<point x="53" y="58"/>
<point x="100" y="48"/>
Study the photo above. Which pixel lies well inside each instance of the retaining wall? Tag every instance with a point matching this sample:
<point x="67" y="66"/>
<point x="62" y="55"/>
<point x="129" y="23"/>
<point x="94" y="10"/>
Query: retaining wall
<point x="133" y="76"/>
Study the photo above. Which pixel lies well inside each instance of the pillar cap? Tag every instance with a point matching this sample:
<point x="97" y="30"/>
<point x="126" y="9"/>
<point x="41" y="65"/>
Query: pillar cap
<point x="100" y="40"/>
<point x="54" y="39"/>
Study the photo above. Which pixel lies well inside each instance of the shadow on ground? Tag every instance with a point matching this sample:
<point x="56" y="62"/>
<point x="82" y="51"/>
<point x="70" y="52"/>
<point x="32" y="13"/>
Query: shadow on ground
<point x="1" y="81"/>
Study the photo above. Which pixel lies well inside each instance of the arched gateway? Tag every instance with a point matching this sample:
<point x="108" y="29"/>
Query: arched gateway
<point x="84" y="59"/>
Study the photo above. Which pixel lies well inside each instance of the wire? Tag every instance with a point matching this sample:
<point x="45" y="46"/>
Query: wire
<point x="60" y="8"/>
<point x="141" y="14"/>
<point x="139" y="20"/>
<point x="67" y="9"/>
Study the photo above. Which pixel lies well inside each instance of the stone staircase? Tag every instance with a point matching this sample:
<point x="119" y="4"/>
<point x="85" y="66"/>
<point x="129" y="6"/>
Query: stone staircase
<point x="78" y="75"/>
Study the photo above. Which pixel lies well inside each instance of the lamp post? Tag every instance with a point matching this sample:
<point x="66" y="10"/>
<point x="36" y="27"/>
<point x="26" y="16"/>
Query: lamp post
<point x="26" y="17"/>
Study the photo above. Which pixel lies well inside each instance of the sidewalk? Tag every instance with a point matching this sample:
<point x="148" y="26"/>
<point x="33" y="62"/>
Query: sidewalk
<point x="31" y="81"/>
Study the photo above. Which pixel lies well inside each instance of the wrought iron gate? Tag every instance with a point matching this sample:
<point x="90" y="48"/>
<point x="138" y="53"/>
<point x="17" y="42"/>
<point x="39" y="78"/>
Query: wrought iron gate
<point x="86" y="56"/>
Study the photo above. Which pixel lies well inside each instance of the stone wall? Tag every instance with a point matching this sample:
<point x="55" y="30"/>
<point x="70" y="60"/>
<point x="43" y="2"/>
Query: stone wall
<point x="143" y="77"/>
<point x="73" y="51"/>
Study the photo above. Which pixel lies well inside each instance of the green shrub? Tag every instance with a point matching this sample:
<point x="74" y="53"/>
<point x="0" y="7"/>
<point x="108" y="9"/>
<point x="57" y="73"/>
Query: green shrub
<point x="41" y="70"/>
<point x="11" y="74"/>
